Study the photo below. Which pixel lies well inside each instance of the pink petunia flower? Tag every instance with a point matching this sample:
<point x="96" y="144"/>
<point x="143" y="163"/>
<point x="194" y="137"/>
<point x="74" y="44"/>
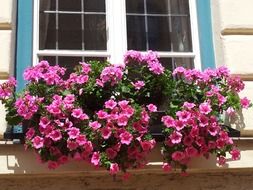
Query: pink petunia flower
<point x="235" y="154"/>
<point x="73" y="132"/>
<point x="106" y="132"/>
<point x="245" y="102"/>
<point x="138" y="85"/>
<point x="95" y="159"/>
<point x="114" y="168"/>
<point x="95" y="125"/>
<point x="166" y="167"/>
<point x="111" y="153"/>
<point x="152" y="108"/>
<point x="52" y="165"/>
<point x="176" y="137"/>
<point x="38" y="142"/>
<point x="126" y="138"/>
<point x="55" y="135"/>
<point x="178" y="155"/>
<point x="205" y="108"/>
<point x="110" y="104"/>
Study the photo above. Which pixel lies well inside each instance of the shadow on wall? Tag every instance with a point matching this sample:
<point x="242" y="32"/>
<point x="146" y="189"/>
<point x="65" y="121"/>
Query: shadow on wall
<point x="236" y="122"/>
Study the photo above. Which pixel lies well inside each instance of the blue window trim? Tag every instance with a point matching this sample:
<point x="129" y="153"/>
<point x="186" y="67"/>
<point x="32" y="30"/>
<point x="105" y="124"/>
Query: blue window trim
<point x="24" y="39"/>
<point x="25" y="28"/>
<point x="205" y="34"/>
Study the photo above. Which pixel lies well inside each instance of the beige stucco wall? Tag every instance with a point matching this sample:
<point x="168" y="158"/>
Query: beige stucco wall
<point x="233" y="40"/>
<point x="7" y="46"/>
<point x="233" y="37"/>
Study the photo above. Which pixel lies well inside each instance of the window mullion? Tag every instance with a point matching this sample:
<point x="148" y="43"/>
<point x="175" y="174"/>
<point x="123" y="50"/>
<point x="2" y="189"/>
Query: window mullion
<point x="195" y="33"/>
<point x="116" y="17"/>
<point x="36" y="9"/>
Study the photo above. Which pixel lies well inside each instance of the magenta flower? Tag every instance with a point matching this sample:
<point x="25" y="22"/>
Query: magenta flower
<point x="188" y="105"/>
<point x="106" y="132"/>
<point x="138" y="85"/>
<point x="38" y="142"/>
<point x="81" y="140"/>
<point x="191" y="151"/>
<point x="122" y="120"/>
<point x="95" y="159"/>
<point x="245" y="102"/>
<point x="178" y="156"/>
<point x="73" y="132"/>
<point x="55" y="135"/>
<point x="110" y="104"/>
<point x="221" y="160"/>
<point x="183" y="116"/>
<point x="235" y="154"/>
<point x="168" y="121"/>
<point x="95" y="125"/>
<point x="77" y="113"/>
<point x="166" y="167"/>
<point x="114" y="168"/>
<point x="205" y="108"/>
<point x="30" y="133"/>
<point x="123" y="104"/>
<point x="126" y="138"/>
<point x="111" y="153"/>
<point x="152" y="108"/>
<point x="102" y="114"/>
<point x="72" y="145"/>
<point x="176" y="137"/>
<point x="52" y="165"/>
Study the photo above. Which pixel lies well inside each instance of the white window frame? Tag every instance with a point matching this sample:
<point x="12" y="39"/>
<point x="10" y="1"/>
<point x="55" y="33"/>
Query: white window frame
<point x="116" y="33"/>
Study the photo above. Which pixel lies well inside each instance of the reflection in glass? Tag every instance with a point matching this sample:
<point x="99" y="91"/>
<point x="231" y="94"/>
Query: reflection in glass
<point x="94" y="32"/>
<point x="70" y="31"/>
<point x="136" y="35"/>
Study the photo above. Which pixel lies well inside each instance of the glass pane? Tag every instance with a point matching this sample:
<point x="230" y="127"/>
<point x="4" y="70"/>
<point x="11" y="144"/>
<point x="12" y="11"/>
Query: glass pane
<point x="94" y="32"/>
<point x="70" y="31"/>
<point x="181" y="34"/>
<point x="179" y="7"/>
<point x="47" y="32"/>
<point x="136" y="35"/>
<point x="94" y="5"/>
<point x="135" y="6"/>
<point x="172" y="63"/>
<point x="48" y="5"/>
<point x="158" y="33"/>
<point x="67" y="5"/>
<point x="158" y="6"/>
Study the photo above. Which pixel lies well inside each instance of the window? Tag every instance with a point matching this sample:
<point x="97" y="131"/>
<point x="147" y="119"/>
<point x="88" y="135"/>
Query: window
<point x="66" y="32"/>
